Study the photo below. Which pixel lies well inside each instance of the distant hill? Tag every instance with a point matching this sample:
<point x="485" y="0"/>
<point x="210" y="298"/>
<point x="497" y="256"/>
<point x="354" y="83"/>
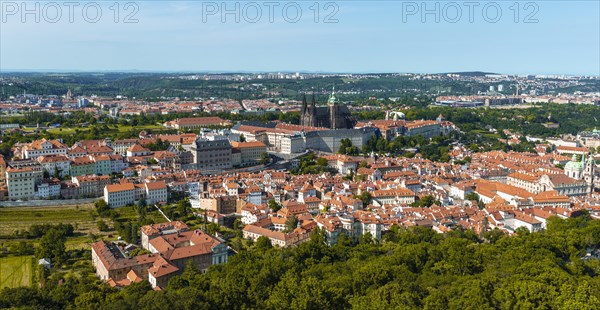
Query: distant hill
<point x="471" y="73"/>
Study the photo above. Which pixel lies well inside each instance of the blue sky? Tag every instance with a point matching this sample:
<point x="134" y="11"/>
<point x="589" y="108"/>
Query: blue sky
<point x="369" y="36"/>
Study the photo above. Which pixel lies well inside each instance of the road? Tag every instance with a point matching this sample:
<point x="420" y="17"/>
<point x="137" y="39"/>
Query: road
<point x="47" y="203"/>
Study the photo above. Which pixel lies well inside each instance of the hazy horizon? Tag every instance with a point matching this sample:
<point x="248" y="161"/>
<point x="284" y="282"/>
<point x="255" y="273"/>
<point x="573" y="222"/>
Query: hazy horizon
<point x="68" y="71"/>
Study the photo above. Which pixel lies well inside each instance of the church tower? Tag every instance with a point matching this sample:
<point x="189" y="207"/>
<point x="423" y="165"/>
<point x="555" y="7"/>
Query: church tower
<point x="333" y="110"/>
<point x="304" y="106"/>
<point x="307" y="116"/>
<point x="588" y="174"/>
<point x="313" y="112"/>
<point x="304" y="112"/>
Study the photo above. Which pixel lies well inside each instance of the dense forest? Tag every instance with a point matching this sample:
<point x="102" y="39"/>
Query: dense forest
<point x="414" y="268"/>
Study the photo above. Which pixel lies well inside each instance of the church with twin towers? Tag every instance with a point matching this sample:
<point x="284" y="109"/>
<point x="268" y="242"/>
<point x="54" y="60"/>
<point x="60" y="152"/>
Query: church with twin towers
<point x="334" y="115"/>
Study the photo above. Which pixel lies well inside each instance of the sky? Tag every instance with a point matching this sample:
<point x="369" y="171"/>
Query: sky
<point x="538" y="37"/>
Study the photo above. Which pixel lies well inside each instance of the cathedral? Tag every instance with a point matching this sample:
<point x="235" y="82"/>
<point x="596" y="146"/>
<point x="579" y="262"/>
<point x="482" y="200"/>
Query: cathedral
<point x="334" y="115"/>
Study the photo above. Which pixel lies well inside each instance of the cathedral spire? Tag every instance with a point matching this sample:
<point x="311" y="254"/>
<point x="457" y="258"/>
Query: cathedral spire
<point x="304" y="104"/>
<point x="313" y="111"/>
<point x="332" y="99"/>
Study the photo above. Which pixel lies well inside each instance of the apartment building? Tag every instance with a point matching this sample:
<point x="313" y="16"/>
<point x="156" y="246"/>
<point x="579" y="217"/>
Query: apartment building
<point x="3" y="166"/>
<point x="156" y="192"/>
<point x="91" y="185"/>
<point x="195" y="122"/>
<point x="117" y="163"/>
<point x="393" y="196"/>
<point x="121" y="146"/>
<point x="251" y="152"/>
<point x="103" y="164"/>
<point x="49" y="188"/>
<point x="118" y="195"/>
<point x="21" y="183"/>
<point x="137" y="150"/>
<point x="43" y="147"/>
<point x="211" y="155"/>
<point x="528" y="182"/>
<point x="53" y="163"/>
<point x="83" y="166"/>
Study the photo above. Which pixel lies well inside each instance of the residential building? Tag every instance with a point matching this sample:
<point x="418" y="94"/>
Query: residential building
<point x="121" y="146"/>
<point x="156" y="192"/>
<point x="137" y="150"/>
<point x="48" y="189"/>
<point x="82" y="166"/>
<point x="196" y="122"/>
<point x="212" y="155"/>
<point x="102" y="164"/>
<point x="90" y="185"/>
<point x="251" y="152"/>
<point x="55" y="163"/>
<point x="118" y="195"/>
<point x="21" y="183"/>
<point x="43" y="147"/>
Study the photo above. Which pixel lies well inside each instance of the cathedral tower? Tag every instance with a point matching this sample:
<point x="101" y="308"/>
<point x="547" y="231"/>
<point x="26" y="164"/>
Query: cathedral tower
<point x="333" y="110"/>
<point x="313" y="112"/>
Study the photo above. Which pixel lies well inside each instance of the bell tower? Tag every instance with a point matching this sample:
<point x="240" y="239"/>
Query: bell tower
<point x="588" y="174"/>
<point x="333" y="110"/>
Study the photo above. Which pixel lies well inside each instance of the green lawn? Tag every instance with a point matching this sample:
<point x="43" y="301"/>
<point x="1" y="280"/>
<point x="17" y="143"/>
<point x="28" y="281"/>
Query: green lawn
<point x="15" y="271"/>
<point x="487" y="134"/>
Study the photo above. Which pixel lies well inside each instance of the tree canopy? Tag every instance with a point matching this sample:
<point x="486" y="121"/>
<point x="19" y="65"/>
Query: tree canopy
<point x="411" y="268"/>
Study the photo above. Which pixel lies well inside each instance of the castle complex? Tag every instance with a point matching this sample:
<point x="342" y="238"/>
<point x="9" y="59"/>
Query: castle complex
<point x="334" y="115"/>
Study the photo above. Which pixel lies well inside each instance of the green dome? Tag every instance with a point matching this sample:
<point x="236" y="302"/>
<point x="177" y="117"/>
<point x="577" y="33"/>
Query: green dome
<point x="574" y="164"/>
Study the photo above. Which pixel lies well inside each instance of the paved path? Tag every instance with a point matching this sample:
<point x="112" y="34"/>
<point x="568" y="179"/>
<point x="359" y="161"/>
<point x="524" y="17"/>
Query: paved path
<point x="44" y="203"/>
<point x="161" y="212"/>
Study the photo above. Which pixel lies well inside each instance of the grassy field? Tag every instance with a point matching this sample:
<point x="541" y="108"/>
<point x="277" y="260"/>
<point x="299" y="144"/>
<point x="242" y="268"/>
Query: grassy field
<point x="487" y="134"/>
<point x="15" y="271"/>
<point x="82" y="217"/>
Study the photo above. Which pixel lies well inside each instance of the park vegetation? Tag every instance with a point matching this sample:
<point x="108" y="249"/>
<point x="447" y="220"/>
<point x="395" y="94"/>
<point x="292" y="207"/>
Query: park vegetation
<point x="410" y="268"/>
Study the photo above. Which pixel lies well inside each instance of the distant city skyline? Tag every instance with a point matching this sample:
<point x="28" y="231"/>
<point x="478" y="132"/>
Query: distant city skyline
<point x="287" y="72"/>
<point x="562" y="38"/>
